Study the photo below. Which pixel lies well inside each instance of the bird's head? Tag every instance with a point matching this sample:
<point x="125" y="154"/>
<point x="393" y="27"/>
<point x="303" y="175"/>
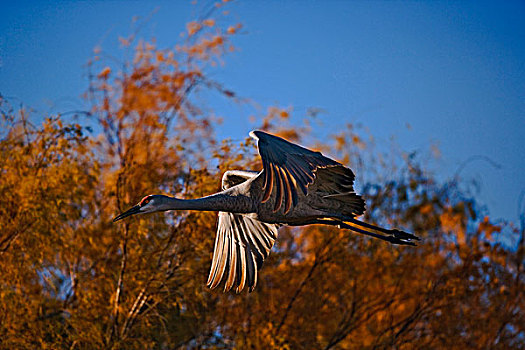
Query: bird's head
<point x="148" y="204"/>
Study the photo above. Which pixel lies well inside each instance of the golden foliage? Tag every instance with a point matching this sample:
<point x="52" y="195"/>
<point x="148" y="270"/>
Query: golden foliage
<point x="70" y="278"/>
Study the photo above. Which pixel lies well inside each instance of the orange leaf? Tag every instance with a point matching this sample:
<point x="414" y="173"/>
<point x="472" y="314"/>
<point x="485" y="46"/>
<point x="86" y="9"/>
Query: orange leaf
<point x="209" y="22"/>
<point x="105" y="73"/>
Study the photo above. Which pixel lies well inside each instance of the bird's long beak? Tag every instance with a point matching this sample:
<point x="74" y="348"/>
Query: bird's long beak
<point x="132" y="211"/>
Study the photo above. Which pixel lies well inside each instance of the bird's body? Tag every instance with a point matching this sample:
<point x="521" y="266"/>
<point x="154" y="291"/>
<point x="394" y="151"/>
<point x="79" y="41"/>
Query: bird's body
<point x="296" y="187"/>
<point x="248" y="195"/>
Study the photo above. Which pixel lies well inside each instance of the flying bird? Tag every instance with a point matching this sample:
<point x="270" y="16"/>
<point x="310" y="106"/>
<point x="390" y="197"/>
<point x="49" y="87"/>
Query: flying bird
<point x="296" y="187"/>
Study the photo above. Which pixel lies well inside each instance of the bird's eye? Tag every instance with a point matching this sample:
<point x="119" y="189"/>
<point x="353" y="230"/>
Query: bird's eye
<point x="145" y="201"/>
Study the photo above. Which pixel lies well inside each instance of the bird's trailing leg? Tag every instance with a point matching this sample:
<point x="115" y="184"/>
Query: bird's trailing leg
<point x="394" y="232"/>
<point x="394" y="236"/>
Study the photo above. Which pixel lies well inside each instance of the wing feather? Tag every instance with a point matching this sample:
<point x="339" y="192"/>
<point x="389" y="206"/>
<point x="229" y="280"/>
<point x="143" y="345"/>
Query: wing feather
<point x="241" y="246"/>
<point x="232" y="262"/>
<point x="292" y="190"/>
<point x="278" y="187"/>
<point x="218" y="261"/>
<point x="251" y="272"/>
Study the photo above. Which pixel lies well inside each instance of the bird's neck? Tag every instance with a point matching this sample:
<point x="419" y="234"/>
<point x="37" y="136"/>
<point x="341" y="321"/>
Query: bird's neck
<point x="223" y="201"/>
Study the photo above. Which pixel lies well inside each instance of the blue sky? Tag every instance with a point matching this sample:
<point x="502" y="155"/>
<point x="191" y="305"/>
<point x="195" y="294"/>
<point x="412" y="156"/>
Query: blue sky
<point x="453" y="70"/>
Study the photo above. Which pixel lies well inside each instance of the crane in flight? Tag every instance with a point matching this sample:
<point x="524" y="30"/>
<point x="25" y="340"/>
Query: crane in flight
<point x="296" y="187"/>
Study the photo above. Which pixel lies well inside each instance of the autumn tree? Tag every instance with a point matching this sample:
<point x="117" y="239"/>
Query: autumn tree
<point x="70" y="278"/>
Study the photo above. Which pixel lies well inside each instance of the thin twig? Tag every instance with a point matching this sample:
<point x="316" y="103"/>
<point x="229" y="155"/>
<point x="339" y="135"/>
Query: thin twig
<point x="296" y="294"/>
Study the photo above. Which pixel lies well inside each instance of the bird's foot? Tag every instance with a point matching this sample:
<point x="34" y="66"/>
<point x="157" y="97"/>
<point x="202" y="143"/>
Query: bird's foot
<point x="404" y="235"/>
<point x="403" y="238"/>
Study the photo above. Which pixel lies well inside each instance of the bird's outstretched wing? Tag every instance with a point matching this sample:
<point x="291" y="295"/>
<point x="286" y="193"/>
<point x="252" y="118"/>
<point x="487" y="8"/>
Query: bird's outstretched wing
<point x="287" y="167"/>
<point x="241" y="245"/>
<point x="235" y="177"/>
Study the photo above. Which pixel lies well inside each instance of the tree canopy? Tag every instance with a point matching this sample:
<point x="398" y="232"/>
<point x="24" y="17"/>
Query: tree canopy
<point x="70" y="278"/>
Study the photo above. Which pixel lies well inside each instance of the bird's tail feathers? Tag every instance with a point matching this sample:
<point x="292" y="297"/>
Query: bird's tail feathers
<point x="354" y="203"/>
